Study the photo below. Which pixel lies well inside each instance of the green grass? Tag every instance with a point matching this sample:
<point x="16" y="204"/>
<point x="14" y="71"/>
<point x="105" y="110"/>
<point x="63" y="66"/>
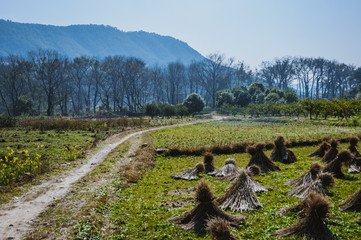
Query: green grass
<point x="212" y="133"/>
<point x="58" y="149"/>
<point x="144" y="208"/>
<point x="120" y="210"/>
<point x="141" y="211"/>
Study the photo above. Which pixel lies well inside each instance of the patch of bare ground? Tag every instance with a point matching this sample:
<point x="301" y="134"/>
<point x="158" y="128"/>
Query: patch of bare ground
<point x="187" y="193"/>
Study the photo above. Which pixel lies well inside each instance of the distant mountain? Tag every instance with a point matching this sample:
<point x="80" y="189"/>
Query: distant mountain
<point x="93" y="40"/>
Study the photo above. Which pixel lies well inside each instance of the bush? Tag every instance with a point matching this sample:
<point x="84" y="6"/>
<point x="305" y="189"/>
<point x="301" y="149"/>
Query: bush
<point x="7" y="122"/>
<point x="194" y="102"/>
<point x="168" y="110"/>
<point x="181" y="110"/>
<point x="152" y="109"/>
<point x="241" y="96"/>
<point x="224" y="97"/>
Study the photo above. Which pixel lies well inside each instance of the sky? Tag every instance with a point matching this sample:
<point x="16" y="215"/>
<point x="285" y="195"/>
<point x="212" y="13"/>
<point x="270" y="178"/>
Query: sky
<point x="251" y="31"/>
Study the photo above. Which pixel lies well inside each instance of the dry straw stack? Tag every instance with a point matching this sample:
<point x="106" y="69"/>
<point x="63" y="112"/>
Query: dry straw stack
<point x="220" y="229"/>
<point x="191" y="173"/>
<point x="352" y="203"/>
<point x="251" y="171"/>
<point x="320" y="186"/>
<point x="307" y="177"/>
<point x="208" y="162"/>
<point x="300" y="207"/>
<point x="240" y="196"/>
<point x="230" y="167"/>
<point x="206" y="209"/>
<point x="321" y="150"/>
<point x="259" y="159"/>
<point x="335" y="166"/>
<point x="280" y="153"/>
<point x="332" y="153"/>
<point x="355" y="165"/>
<point x="312" y="225"/>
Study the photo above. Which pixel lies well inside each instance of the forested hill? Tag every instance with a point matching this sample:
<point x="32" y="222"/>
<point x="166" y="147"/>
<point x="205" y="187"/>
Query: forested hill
<point x="93" y="40"/>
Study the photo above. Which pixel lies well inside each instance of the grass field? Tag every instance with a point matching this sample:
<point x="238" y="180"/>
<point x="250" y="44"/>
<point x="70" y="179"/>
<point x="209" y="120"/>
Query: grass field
<point x="227" y="132"/>
<point x="141" y="210"/>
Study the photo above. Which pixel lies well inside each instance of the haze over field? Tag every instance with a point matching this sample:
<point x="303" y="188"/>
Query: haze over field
<point x="250" y="31"/>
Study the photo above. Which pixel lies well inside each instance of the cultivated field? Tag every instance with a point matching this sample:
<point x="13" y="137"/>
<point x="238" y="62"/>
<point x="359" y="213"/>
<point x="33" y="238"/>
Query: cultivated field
<point x="136" y="200"/>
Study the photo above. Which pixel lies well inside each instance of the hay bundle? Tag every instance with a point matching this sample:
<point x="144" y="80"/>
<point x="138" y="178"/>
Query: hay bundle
<point x="228" y="169"/>
<point x="219" y="229"/>
<point x="353" y="144"/>
<point x="355" y="165"/>
<point x="252" y="170"/>
<point x="206" y="209"/>
<point x="307" y="177"/>
<point x="352" y="203"/>
<point x="335" y="166"/>
<point x="320" y="152"/>
<point x="280" y="153"/>
<point x="325" y="180"/>
<point x="260" y="159"/>
<point x="312" y="225"/>
<point x="300" y="207"/>
<point x="240" y="196"/>
<point x="191" y="173"/>
<point x="332" y="153"/>
<point x="208" y="162"/>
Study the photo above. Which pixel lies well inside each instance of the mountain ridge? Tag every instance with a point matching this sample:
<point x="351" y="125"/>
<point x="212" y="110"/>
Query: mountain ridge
<point x="94" y="41"/>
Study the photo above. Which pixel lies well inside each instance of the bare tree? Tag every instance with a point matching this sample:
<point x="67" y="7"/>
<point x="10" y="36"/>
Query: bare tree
<point x="214" y="74"/>
<point x="14" y="71"/>
<point x="279" y="73"/>
<point x="114" y="75"/>
<point x="134" y="82"/>
<point x="175" y="82"/>
<point x="48" y="65"/>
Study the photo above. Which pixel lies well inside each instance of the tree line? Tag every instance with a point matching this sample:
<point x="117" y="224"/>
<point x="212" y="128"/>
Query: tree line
<point x="313" y="109"/>
<point x="45" y="82"/>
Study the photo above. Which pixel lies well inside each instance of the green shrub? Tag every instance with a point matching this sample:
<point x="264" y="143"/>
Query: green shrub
<point x="7" y="122"/>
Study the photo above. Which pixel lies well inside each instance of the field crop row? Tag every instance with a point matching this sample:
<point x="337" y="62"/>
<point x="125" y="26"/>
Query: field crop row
<point x="223" y="133"/>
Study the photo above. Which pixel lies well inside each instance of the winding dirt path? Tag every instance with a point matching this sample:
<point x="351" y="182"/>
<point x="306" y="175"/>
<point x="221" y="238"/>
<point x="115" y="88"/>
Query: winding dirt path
<point x="16" y="217"/>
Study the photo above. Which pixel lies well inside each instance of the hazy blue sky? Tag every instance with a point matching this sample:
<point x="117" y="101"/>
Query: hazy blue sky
<point x="251" y="31"/>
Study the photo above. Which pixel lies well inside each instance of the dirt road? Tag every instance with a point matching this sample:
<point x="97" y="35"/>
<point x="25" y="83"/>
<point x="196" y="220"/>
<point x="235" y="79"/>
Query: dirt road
<point x="16" y="216"/>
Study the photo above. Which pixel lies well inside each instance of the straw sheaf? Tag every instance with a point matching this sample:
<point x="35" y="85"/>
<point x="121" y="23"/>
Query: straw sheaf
<point x="354" y="140"/>
<point x="230" y="161"/>
<point x="327" y="180"/>
<point x="260" y="146"/>
<point x="204" y="193"/>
